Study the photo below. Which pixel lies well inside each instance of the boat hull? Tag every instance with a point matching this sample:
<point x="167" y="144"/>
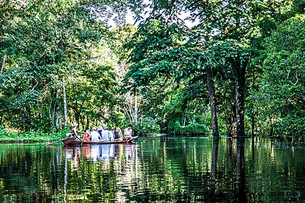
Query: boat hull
<point x="70" y="142"/>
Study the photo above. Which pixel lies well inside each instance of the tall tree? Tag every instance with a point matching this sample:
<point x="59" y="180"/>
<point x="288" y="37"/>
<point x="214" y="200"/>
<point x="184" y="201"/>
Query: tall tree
<point x="282" y="86"/>
<point x="46" y="51"/>
<point x="227" y="29"/>
<point x="162" y="57"/>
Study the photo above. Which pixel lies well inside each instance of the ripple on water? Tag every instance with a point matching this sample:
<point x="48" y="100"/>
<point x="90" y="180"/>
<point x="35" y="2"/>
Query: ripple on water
<point x="155" y="170"/>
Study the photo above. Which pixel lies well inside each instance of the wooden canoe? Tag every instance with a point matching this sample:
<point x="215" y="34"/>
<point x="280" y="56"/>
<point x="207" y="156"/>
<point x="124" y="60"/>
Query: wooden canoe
<point x="72" y="142"/>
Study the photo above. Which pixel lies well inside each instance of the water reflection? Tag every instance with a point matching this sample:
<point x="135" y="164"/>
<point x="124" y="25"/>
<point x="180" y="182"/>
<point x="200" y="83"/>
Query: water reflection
<point x="98" y="153"/>
<point x="168" y="169"/>
<point x="106" y="170"/>
<point x="240" y="171"/>
<point x="211" y="195"/>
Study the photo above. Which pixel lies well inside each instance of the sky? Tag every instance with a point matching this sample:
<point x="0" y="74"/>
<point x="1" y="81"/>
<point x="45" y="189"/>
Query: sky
<point x="130" y="20"/>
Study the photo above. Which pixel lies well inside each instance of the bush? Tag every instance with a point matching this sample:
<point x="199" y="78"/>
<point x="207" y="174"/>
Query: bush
<point x="193" y="128"/>
<point x="3" y="131"/>
<point x="31" y="135"/>
<point x="196" y="128"/>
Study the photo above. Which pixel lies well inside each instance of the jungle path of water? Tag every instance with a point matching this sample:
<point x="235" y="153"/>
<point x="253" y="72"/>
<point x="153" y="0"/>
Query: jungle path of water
<point x="161" y="169"/>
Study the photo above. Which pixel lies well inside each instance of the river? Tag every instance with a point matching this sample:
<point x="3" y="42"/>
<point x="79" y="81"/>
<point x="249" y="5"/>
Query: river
<point x="160" y="169"/>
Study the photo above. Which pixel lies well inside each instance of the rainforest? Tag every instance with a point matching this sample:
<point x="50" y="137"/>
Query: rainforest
<point x="213" y="68"/>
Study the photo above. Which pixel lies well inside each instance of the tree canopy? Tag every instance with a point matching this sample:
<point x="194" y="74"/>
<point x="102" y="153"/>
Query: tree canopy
<point x="236" y="69"/>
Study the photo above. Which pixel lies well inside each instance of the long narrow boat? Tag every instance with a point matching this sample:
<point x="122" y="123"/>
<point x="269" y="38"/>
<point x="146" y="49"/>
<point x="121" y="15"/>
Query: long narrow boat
<point x="71" y="142"/>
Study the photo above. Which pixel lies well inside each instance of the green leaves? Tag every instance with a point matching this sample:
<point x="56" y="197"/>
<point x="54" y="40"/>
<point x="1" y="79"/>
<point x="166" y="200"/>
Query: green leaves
<point x="284" y="76"/>
<point x="51" y="44"/>
<point x="227" y="37"/>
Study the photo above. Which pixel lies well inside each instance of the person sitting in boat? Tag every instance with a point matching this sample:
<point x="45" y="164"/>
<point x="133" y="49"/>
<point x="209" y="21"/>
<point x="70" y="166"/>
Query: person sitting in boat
<point x="74" y="132"/>
<point x="100" y="130"/>
<point x="118" y="135"/>
<point x="87" y="135"/>
<point x="107" y="135"/>
<point x="128" y="132"/>
<point x="95" y="136"/>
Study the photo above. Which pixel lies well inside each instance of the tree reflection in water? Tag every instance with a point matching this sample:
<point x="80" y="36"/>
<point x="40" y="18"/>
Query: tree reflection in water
<point x="171" y="169"/>
<point x="211" y="195"/>
<point x="240" y="171"/>
<point x="108" y="170"/>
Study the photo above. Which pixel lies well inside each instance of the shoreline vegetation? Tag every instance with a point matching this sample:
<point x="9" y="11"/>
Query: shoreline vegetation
<point x="38" y="137"/>
<point x="30" y="137"/>
<point x="145" y="130"/>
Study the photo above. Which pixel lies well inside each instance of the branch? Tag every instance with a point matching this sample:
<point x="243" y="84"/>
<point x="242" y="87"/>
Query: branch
<point x="296" y="76"/>
<point x="3" y="62"/>
<point x="35" y="84"/>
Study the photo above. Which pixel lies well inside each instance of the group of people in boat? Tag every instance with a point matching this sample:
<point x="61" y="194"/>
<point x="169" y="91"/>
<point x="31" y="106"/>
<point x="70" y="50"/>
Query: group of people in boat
<point x="101" y="134"/>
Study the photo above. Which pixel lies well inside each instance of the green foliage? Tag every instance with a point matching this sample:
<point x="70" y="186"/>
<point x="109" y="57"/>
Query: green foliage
<point x="52" y="47"/>
<point x="146" y="126"/>
<point x="175" y="106"/>
<point x="283" y="79"/>
<point x="3" y="131"/>
<point x="47" y="51"/>
<point x="191" y="129"/>
<point x="169" y="71"/>
<point x="117" y="119"/>
<point x="166" y="55"/>
<point x="122" y="36"/>
<point x="31" y="136"/>
<point x="156" y="48"/>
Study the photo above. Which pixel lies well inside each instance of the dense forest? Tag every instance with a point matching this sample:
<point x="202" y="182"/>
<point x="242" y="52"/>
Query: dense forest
<point x="214" y="67"/>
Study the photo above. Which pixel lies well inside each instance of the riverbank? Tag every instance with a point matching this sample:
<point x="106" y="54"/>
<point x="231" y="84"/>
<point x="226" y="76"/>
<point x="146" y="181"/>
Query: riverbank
<point x="28" y="137"/>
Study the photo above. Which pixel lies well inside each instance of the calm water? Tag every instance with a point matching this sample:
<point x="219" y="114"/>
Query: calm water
<point x="162" y="169"/>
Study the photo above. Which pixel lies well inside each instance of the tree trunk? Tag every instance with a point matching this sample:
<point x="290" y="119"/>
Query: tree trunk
<point x="253" y="122"/>
<point x="58" y="119"/>
<point x="271" y="127"/>
<point x="184" y="120"/>
<point x="211" y="90"/>
<point x="135" y="108"/>
<point x="240" y="99"/>
<point x="81" y="122"/>
<point x="3" y="62"/>
<point x="65" y="106"/>
<point x="253" y="108"/>
<point x="76" y="113"/>
<point x="50" y="114"/>
<point x="27" y="118"/>
<point x="87" y="121"/>
<point x="230" y="125"/>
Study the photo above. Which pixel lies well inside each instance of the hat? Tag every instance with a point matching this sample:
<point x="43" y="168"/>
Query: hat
<point x="105" y="127"/>
<point x="94" y="128"/>
<point x="75" y="124"/>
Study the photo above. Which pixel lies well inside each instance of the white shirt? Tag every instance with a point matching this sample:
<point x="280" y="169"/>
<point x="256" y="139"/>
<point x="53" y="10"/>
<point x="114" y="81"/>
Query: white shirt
<point x="107" y="136"/>
<point x="128" y="132"/>
<point x="95" y="136"/>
